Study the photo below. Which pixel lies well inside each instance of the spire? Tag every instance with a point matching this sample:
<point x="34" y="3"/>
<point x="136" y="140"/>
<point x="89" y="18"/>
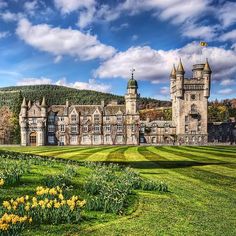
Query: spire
<point x="29" y="104"/>
<point x="132" y="73"/>
<point x="207" y="67"/>
<point x="180" y="68"/>
<point x="173" y="72"/>
<point x="43" y="103"/>
<point x="24" y="103"/>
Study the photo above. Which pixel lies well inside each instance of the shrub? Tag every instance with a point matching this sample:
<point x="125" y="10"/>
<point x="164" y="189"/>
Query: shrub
<point x="56" y="180"/>
<point x="150" y="185"/>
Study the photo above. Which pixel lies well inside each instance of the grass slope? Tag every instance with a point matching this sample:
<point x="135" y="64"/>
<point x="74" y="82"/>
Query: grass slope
<point x="201" y="179"/>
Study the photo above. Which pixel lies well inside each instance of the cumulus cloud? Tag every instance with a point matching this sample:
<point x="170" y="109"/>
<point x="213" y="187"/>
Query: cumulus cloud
<point x="226" y="14"/>
<point x="226" y="91"/>
<point x="92" y="84"/>
<point x="227" y="82"/>
<point x="59" y="42"/>
<point x="34" y="81"/>
<point x="155" y="65"/>
<point x="3" y="4"/>
<point x="31" y="6"/>
<point x="229" y="36"/>
<point x="199" y="31"/>
<point x="8" y="16"/>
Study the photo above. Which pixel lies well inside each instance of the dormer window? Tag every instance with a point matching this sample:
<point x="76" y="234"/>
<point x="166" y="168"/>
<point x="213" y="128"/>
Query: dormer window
<point x="119" y="118"/>
<point x="73" y="118"/>
<point x="96" y="118"/>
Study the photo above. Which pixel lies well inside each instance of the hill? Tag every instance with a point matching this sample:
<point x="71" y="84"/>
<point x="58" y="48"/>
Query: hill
<point x="11" y="96"/>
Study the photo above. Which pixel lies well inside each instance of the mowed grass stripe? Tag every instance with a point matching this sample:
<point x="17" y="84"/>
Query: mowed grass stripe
<point x="190" y="155"/>
<point x="171" y="173"/>
<point x="102" y="154"/>
<point x="201" y="156"/>
<point x="212" y="152"/>
<point x="207" y="179"/>
<point x="226" y="149"/>
<point x="117" y="155"/>
<point x="83" y="154"/>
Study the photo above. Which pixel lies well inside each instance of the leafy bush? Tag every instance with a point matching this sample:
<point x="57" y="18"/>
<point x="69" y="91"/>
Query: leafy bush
<point x="56" y="180"/>
<point x="150" y="185"/>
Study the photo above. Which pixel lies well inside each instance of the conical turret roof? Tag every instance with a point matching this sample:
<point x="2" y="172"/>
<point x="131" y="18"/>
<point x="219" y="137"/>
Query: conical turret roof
<point x="24" y="103"/>
<point x="43" y="102"/>
<point x="180" y="68"/>
<point x="207" y="67"/>
<point x="173" y="72"/>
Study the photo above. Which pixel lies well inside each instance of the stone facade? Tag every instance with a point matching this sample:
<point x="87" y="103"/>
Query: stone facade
<point x="115" y="124"/>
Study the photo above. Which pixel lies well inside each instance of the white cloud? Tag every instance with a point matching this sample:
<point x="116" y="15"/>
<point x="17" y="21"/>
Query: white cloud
<point x="31" y="6"/>
<point x="66" y="6"/>
<point x="57" y="59"/>
<point x="4" y="34"/>
<point x="155" y="65"/>
<point x="199" y="31"/>
<point x="34" y="81"/>
<point x="227" y="82"/>
<point x="90" y="85"/>
<point x="61" y="42"/>
<point x="165" y="90"/>
<point x="134" y="37"/>
<point x="3" y="4"/>
<point x="231" y="36"/>
<point x="120" y="27"/>
<point x="226" y="91"/>
<point x="8" y="16"/>
<point x="226" y="14"/>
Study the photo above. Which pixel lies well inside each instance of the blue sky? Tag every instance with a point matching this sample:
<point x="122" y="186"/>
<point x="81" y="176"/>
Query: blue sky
<point x="93" y="44"/>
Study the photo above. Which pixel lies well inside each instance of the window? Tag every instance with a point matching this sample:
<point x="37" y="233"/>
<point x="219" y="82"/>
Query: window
<point x="199" y="127"/>
<point x="108" y="138"/>
<point x="62" y="139"/>
<point x="186" y="128"/>
<point x="107" y="118"/>
<point x="107" y="128"/>
<point x="96" y="118"/>
<point x="133" y="127"/>
<point x="119" y="118"/>
<point x="34" y="121"/>
<point x="119" y="128"/>
<point x="119" y="138"/>
<point x="96" y="128"/>
<point x="96" y="138"/>
<point x="186" y="119"/>
<point x="51" y="139"/>
<point x="73" y="139"/>
<point x="193" y="108"/>
<point x="62" y="128"/>
<point x="86" y="139"/>
<point x="61" y="118"/>
<point x="73" y="118"/>
<point x="74" y="128"/>
<point x="193" y="97"/>
<point x="166" y="130"/>
<point x="186" y="97"/>
<point x="51" y="128"/>
<point x="85" y="128"/>
<point x="51" y="118"/>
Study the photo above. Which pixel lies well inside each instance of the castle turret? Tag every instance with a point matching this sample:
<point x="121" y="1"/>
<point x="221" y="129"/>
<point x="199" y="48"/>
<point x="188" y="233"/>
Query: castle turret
<point x="180" y="80"/>
<point x="172" y="81"/>
<point x="131" y="96"/>
<point x="44" y="108"/>
<point x="207" y="79"/>
<point x="24" y="108"/>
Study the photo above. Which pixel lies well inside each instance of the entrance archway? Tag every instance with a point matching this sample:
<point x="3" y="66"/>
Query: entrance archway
<point x="33" y="138"/>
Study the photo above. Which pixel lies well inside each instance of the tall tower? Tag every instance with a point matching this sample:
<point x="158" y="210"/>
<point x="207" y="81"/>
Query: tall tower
<point x="132" y="115"/>
<point x="190" y="104"/>
<point x="23" y="123"/>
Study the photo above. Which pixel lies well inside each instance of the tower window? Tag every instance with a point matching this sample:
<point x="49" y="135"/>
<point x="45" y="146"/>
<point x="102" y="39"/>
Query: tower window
<point x="186" y="128"/>
<point x="193" y="96"/>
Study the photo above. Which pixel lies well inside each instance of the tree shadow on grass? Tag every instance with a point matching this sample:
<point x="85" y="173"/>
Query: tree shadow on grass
<point x="162" y="164"/>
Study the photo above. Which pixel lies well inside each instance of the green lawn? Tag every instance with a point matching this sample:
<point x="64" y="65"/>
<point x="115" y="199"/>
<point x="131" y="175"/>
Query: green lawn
<point x="202" y="181"/>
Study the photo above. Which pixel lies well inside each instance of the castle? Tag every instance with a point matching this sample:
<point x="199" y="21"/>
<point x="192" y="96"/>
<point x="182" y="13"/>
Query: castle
<point x="115" y="124"/>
